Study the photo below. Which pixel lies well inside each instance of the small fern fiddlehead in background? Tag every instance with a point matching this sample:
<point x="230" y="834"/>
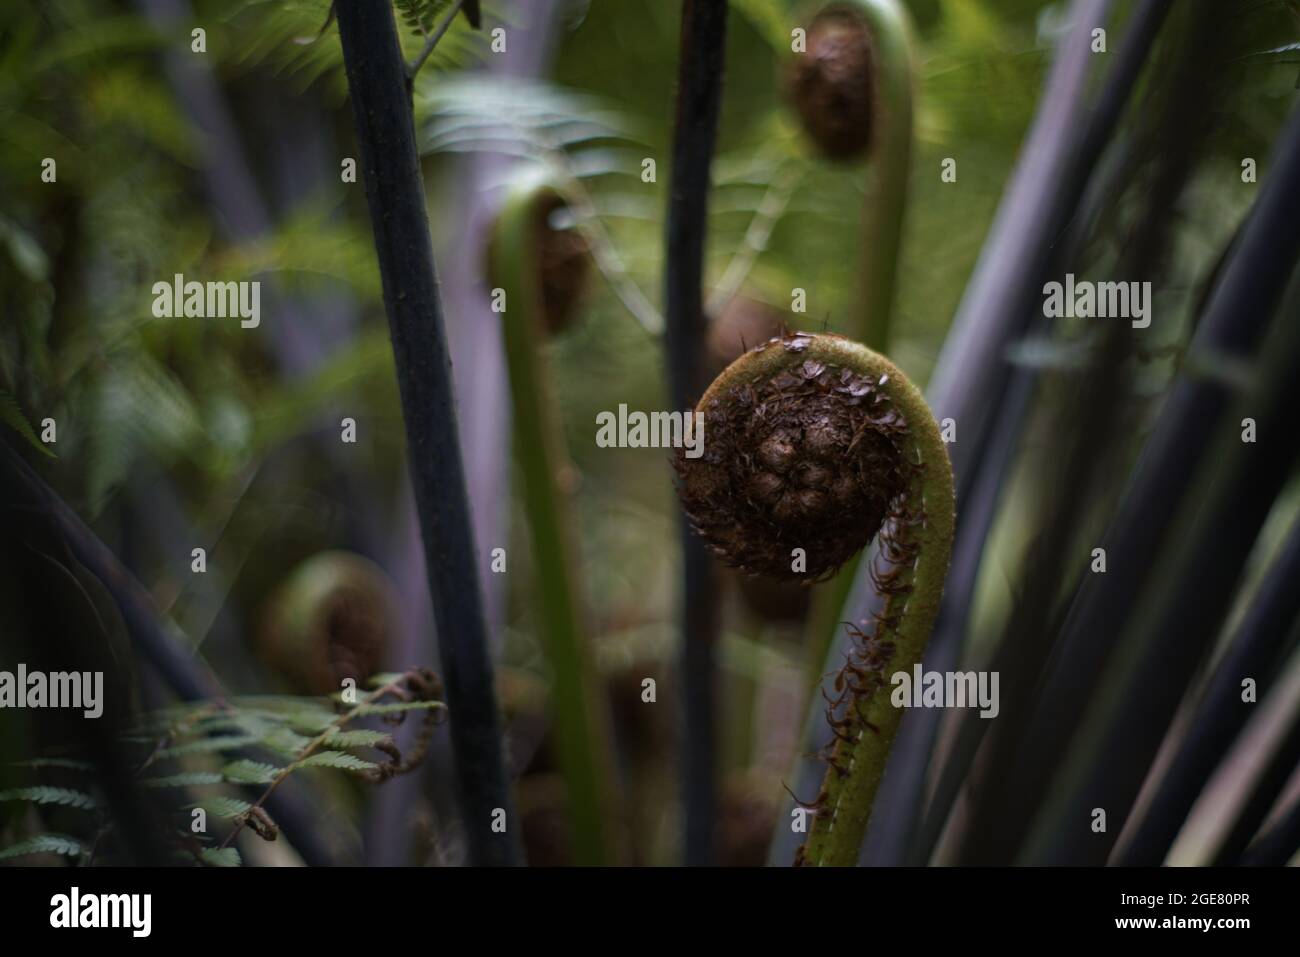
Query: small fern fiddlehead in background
<point x="542" y="271"/>
<point x="853" y="90"/>
<point x="817" y="443"/>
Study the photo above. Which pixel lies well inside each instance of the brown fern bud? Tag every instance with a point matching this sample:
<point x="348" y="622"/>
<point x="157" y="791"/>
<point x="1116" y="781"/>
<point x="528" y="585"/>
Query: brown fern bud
<point x="832" y="83"/>
<point x="561" y="258"/>
<point x="333" y="618"/>
<point x="565" y="266"/>
<point x="802" y="450"/>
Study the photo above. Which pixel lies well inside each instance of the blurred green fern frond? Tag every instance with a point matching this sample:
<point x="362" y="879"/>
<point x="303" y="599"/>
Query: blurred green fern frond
<point x="49" y="795"/>
<point x="514" y="116"/>
<point x="12" y="415"/>
<point x="43" y="844"/>
<point x="201" y="754"/>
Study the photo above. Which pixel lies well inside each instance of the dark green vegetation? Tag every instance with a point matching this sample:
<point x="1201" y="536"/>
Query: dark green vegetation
<point x="475" y="527"/>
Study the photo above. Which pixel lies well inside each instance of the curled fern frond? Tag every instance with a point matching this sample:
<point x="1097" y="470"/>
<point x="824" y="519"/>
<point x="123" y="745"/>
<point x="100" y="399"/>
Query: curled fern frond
<point x="813" y="446"/>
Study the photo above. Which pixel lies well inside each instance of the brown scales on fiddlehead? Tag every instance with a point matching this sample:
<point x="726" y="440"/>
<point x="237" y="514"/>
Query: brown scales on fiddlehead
<point x="806" y="458"/>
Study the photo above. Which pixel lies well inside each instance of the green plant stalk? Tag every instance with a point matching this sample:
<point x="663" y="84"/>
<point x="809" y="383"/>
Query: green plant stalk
<point x="910" y="611"/>
<point x="880" y="244"/>
<point x="890" y="163"/>
<point x="584" y="739"/>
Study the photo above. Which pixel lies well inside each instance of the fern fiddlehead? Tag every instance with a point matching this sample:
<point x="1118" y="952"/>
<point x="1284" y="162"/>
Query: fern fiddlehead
<point x="542" y="271"/>
<point x="813" y="444"/>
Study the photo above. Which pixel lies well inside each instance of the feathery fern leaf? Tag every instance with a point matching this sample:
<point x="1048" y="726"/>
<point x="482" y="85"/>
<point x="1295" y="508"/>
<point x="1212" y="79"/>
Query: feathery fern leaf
<point x="220" y="857"/>
<point x="48" y="795"/>
<point x="245" y="771"/>
<point x="44" y="844"/>
<point x="396" y="707"/>
<point x="227" y="808"/>
<point x="184" y="779"/>
<point x="336" y="759"/>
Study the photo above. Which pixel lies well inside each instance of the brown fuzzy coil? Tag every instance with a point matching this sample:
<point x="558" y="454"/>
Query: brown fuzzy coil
<point x="565" y="266"/>
<point x="333" y="618"/>
<point x="807" y="457"/>
<point x="832" y="84"/>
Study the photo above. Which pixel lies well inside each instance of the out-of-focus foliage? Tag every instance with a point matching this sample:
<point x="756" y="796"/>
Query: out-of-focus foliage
<point x="175" y="433"/>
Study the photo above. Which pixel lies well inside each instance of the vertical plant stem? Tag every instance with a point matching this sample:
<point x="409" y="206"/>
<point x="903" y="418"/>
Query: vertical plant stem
<point x="699" y="96"/>
<point x="891" y="161"/>
<point x="578" y="701"/>
<point x="881" y="242"/>
<point x="395" y="193"/>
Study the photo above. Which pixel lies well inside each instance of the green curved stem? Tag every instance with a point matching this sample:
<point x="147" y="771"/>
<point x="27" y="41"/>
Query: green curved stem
<point x="890" y="161"/>
<point x="583" y="739"/>
<point x="910" y="610"/>
<point x="881" y="236"/>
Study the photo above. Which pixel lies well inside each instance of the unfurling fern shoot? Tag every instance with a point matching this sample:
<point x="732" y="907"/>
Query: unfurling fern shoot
<point x="813" y="444"/>
<point x="542" y="271"/>
<point x="853" y="90"/>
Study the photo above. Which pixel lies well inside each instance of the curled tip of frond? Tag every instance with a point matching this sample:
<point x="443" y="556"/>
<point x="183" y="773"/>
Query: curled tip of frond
<point x="832" y="84"/>
<point x="559" y="252"/>
<point x="803" y="450"/>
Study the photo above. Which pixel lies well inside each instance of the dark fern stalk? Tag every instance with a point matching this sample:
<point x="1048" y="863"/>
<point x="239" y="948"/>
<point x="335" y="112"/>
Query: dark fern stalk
<point x="1232" y="325"/>
<point x="1193" y="577"/>
<point x="1053" y="193"/>
<point x="699" y="96"/>
<point x="395" y="193"/>
<point x="1260" y="643"/>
